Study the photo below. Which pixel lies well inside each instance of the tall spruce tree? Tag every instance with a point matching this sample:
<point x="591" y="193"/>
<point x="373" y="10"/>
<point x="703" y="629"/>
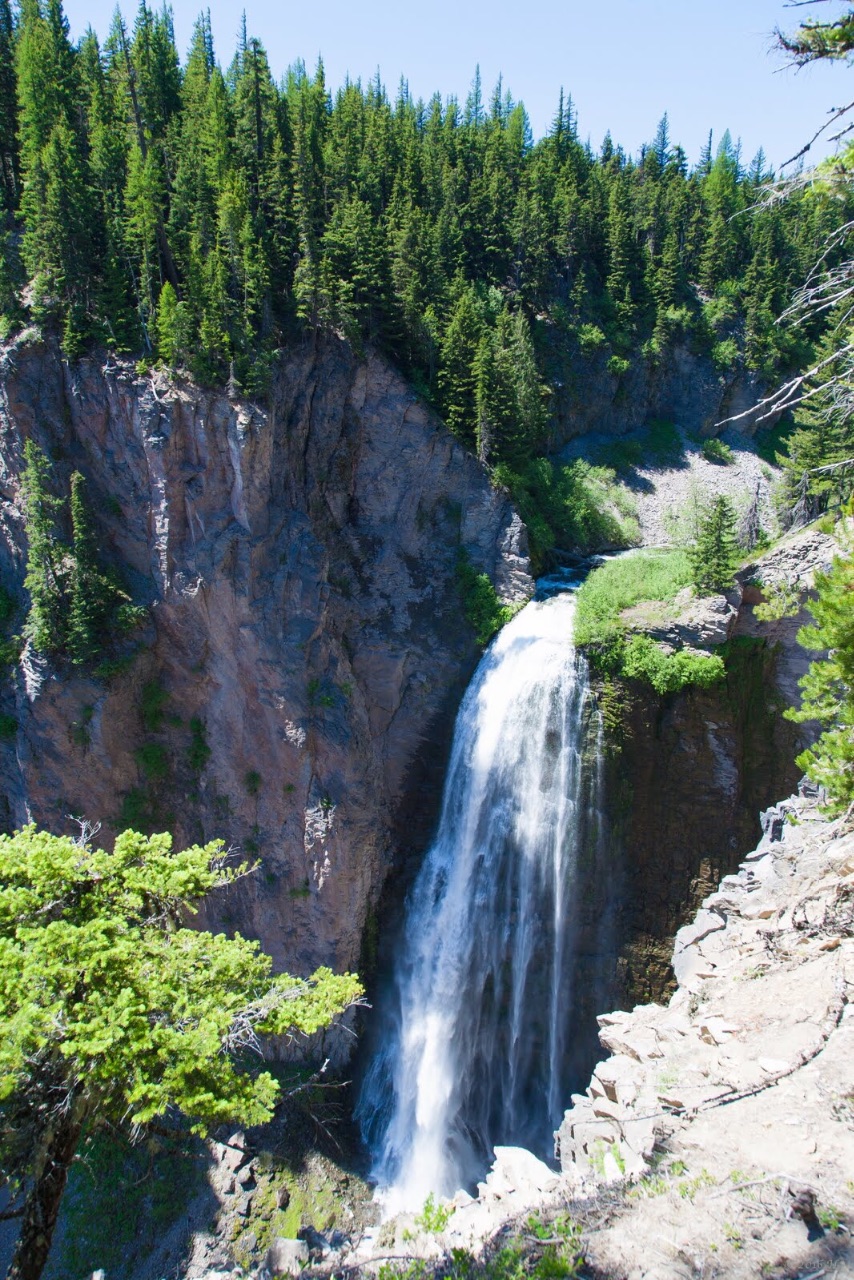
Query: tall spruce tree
<point x="10" y="166"/>
<point x="47" y="569"/>
<point x="715" y="556"/>
<point x="91" y="593"/>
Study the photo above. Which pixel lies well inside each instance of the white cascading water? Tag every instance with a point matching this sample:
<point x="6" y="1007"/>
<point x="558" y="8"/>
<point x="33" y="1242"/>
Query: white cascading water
<point x="475" y="1026"/>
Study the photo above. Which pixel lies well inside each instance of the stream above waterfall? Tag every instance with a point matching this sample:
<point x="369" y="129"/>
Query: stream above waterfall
<point x="476" y="1026"/>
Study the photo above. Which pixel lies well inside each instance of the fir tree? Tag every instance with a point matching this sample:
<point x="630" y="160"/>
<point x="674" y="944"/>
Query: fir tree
<point x="46" y="566"/>
<point x="91" y="594"/>
<point x="828" y="686"/>
<point x="10" y="167"/>
<point x="114" y="1012"/>
<point x="167" y="325"/>
<point x="714" y="557"/>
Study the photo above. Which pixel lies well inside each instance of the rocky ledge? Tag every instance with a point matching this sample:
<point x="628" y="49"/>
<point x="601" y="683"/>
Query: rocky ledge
<point x="717" y="1139"/>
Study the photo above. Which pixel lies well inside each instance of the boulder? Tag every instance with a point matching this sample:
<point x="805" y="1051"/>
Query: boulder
<point x="287" y="1257"/>
<point x="516" y="1170"/>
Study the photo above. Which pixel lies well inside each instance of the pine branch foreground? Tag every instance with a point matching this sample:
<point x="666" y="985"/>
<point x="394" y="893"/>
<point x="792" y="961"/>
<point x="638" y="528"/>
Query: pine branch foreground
<point x="111" y="1009"/>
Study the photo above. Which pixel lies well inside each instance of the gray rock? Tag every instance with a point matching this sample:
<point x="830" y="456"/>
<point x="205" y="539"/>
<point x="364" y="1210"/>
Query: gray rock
<point x="773" y="823"/>
<point x="286" y="1257"/>
<point x="704" y="622"/>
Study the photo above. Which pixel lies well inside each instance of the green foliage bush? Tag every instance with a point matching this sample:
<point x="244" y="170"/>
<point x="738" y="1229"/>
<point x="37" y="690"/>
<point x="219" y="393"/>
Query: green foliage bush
<point x="481" y="604"/>
<point x="725" y="355"/>
<point x="828" y="686"/>
<point x="576" y="507"/>
<point x="618" y="365"/>
<point x="715" y="450"/>
<point x="645" y="660"/>
<point x="591" y="338"/>
<point x="434" y="1216"/>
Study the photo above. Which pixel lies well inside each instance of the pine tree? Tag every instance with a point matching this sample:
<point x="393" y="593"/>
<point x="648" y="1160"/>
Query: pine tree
<point x="115" y="1013"/>
<point x="828" y="686"/>
<point x="715" y="556"/>
<point x="661" y="144"/>
<point x="46" y="568"/>
<point x="91" y="594"/>
<point x="457" y="377"/>
<point x="167" y="325"/>
<point x="62" y="228"/>
<point x="10" y="165"/>
<point x="623" y="261"/>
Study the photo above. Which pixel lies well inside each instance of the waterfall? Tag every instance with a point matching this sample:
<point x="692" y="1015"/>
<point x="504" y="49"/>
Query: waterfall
<point x="476" y="1026"/>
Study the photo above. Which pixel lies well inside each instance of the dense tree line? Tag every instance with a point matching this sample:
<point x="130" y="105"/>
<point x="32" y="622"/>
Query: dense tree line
<point x="201" y="217"/>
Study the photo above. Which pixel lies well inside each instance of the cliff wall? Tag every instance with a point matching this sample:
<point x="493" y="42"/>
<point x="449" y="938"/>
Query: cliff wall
<point x="682" y="386"/>
<point x="305" y="624"/>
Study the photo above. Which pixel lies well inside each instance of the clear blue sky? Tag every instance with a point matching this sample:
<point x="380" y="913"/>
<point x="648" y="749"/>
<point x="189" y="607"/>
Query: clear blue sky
<point x="708" y="63"/>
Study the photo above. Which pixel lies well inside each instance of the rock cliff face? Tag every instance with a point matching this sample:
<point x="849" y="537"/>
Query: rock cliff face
<point x="305" y="622"/>
<point x="682" y="387"/>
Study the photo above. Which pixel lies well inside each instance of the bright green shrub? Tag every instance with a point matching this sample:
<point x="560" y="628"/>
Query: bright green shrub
<point x="645" y="660"/>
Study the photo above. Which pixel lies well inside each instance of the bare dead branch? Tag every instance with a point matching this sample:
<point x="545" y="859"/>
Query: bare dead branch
<point x="836" y="113"/>
<point x="791" y="392"/>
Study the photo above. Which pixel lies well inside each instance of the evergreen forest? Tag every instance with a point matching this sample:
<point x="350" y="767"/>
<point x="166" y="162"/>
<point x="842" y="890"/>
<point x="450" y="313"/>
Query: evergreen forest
<point x="202" y="218"/>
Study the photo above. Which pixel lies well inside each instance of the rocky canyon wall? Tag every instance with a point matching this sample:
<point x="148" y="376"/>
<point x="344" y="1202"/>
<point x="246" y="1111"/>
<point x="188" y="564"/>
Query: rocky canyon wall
<point x="305" y="644"/>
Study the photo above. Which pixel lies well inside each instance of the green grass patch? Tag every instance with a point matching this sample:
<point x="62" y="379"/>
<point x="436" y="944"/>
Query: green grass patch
<point x="621" y="583"/>
<point x="152" y="760"/>
<point x="8" y="726"/>
<point x="611" y="648"/>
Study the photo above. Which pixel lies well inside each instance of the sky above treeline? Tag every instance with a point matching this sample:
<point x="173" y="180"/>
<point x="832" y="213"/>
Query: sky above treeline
<point x="625" y="62"/>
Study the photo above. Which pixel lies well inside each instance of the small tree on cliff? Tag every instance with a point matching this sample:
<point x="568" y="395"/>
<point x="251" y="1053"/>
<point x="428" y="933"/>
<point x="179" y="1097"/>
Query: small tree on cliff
<point x="714" y="556"/>
<point x="45" y="578"/>
<point x="92" y="594"/>
<point x="828" y="686"/>
<point x="111" y="1010"/>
